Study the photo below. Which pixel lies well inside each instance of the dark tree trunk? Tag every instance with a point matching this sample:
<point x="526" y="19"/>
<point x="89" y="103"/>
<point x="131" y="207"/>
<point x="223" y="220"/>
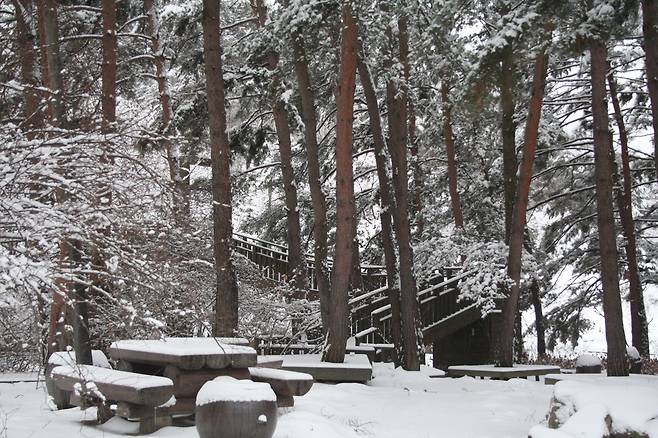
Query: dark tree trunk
<point x="356" y="280"/>
<point x="109" y="66"/>
<point x="226" y="304"/>
<point x="417" y="187"/>
<point x="387" y="206"/>
<point x="510" y="162"/>
<point x="650" y="30"/>
<point x="78" y="293"/>
<point x="448" y="137"/>
<point x="180" y="198"/>
<point x="25" y="42"/>
<point x="614" y="328"/>
<point x="52" y="79"/>
<point x="340" y="277"/>
<point x="409" y="311"/>
<point x="318" y="200"/>
<point x="505" y="355"/>
<point x="639" y="327"/>
<point x="296" y="258"/>
<point x="539" y="318"/>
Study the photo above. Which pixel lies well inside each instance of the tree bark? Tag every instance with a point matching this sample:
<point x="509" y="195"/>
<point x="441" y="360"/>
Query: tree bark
<point x="614" y="328"/>
<point x="539" y="318"/>
<point x="410" y="313"/>
<point x="25" y="42"/>
<point x="639" y="326"/>
<point x="452" y="162"/>
<point x="52" y="79"/>
<point x="356" y="280"/>
<point x="226" y="304"/>
<point x="650" y="31"/>
<point x="510" y="162"/>
<point x="180" y="198"/>
<point x="505" y="356"/>
<point x="296" y="259"/>
<point x="417" y="187"/>
<point x="386" y="202"/>
<point x="109" y="66"/>
<point x="338" y="327"/>
<point x="318" y="200"/>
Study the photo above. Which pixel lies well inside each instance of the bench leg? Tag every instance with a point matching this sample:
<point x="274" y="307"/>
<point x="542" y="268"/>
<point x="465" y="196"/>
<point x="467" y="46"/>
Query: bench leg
<point x="104" y="413"/>
<point x="153" y="420"/>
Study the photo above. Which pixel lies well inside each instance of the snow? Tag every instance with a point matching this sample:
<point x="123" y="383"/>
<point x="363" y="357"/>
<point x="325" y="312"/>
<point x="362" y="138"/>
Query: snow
<point x="182" y="346"/>
<point x="395" y="404"/>
<point x="271" y="373"/>
<point x="98" y="358"/>
<point x="105" y="376"/>
<point x="582" y="407"/>
<point x="588" y="360"/>
<point x="226" y="388"/>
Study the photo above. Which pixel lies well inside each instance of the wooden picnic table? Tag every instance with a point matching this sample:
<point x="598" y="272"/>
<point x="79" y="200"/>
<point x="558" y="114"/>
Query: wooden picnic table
<point x="188" y="362"/>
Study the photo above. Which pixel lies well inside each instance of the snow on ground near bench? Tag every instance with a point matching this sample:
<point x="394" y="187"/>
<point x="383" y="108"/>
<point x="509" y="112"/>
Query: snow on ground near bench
<point x="395" y="404"/>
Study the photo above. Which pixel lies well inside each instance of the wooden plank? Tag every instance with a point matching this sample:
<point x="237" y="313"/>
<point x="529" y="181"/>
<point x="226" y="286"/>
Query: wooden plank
<point x="491" y="371"/>
<point x="283" y="383"/>
<point x="356" y="368"/>
<point x="116" y="385"/>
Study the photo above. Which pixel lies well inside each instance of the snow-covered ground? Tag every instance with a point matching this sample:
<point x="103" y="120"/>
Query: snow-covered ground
<point x="395" y="404"/>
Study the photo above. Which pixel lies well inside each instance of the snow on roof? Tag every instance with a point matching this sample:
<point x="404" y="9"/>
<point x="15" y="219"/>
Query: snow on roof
<point x="226" y="388"/>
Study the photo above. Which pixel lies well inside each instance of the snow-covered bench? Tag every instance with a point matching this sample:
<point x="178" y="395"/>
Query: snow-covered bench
<point x="126" y="394"/>
<point x="59" y="397"/>
<point x="285" y="384"/>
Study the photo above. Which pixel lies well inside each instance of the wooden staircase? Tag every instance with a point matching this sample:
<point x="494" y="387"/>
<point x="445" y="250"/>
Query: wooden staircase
<point x="370" y="311"/>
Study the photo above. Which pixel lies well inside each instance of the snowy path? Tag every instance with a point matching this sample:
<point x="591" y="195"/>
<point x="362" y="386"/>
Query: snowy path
<point x="396" y="405"/>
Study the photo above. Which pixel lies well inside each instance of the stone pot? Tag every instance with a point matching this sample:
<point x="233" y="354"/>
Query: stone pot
<point x="236" y="419"/>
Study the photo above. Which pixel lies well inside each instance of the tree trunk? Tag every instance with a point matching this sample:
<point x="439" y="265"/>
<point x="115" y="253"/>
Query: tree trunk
<point x="356" y="280"/>
<point x="539" y="318"/>
<point x="226" y="304"/>
<point x="510" y="162"/>
<point x="340" y="277"/>
<point x="52" y="79"/>
<point x="452" y="163"/>
<point x="639" y="326"/>
<point x="318" y="200"/>
<point x="409" y="311"/>
<point x="417" y="187"/>
<point x="296" y="259"/>
<point x="614" y="328"/>
<point x="109" y="66"/>
<point x="25" y="43"/>
<point x="386" y="203"/>
<point x="505" y="356"/>
<point x="180" y="195"/>
<point x="650" y="31"/>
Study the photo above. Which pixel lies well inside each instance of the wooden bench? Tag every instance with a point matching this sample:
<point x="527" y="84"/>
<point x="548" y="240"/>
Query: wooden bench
<point x="285" y="384"/>
<point x="136" y="396"/>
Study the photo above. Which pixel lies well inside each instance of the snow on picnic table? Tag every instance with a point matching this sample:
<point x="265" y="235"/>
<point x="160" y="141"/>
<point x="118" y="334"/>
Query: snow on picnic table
<point x="395" y="404"/>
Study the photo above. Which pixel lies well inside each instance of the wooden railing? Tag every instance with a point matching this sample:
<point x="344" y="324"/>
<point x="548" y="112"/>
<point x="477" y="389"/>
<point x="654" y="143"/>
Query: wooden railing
<point x="441" y="310"/>
<point x="273" y="261"/>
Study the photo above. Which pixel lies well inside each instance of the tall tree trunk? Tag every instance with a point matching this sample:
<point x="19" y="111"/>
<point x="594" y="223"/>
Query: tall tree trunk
<point x="25" y="42"/>
<point x="109" y="66"/>
<point x="340" y="277"/>
<point x="296" y="258"/>
<point x="452" y="162"/>
<point x="356" y="279"/>
<point x="639" y="326"/>
<point x="318" y="201"/>
<point x="52" y="79"/>
<point x="181" y="194"/>
<point x="410" y="314"/>
<point x="510" y="162"/>
<point x="650" y="31"/>
<point x="386" y="202"/>
<point x="505" y="356"/>
<point x="614" y="328"/>
<point x="226" y="304"/>
<point x="417" y="187"/>
<point x="539" y="318"/>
